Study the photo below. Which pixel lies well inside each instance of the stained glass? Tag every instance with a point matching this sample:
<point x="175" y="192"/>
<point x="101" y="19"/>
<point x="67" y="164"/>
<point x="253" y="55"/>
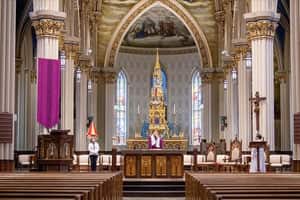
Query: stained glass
<point x="121" y="110"/>
<point x="197" y="108"/>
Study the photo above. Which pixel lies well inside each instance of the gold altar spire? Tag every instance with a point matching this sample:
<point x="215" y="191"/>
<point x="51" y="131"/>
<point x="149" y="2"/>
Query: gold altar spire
<point x="157" y="64"/>
<point x="157" y="109"/>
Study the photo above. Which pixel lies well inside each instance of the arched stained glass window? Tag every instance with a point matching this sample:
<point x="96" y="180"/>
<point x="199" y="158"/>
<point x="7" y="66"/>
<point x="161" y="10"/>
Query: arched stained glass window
<point x="197" y="108"/>
<point x="121" y="110"/>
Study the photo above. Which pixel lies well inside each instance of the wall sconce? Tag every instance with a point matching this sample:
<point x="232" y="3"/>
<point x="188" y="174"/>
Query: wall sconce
<point x="62" y="57"/>
<point x="90" y="87"/>
<point x="225" y="84"/>
<point x="78" y="75"/>
<point x="248" y="60"/>
<point x="89" y="52"/>
<point x="234" y="74"/>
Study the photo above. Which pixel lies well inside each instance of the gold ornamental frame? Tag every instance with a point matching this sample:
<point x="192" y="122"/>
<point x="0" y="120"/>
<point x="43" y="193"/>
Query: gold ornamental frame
<point x="178" y="10"/>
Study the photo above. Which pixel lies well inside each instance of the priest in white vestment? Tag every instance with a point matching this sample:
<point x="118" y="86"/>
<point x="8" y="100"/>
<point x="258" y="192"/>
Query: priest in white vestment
<point x="254" y="153"/>
<point x="155" y="141"/>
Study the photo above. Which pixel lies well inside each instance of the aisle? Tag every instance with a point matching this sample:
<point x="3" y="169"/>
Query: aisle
<point x="154" y="188"/>
<point x="152" y="198"/>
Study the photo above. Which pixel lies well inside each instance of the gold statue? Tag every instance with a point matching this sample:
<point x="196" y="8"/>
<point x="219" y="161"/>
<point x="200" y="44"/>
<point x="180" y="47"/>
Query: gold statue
<point x="157" y="108"/>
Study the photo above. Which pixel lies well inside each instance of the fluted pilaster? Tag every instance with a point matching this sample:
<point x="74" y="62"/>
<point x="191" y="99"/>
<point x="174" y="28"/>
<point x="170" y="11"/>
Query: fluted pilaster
<point x="211" y="79"/>
<point x="7" y="72"/>
<point x="70" y="49"/>
<point x="244" y="94"/>
<point x="231" y="97"/>
<point x="285" y="137"/>
<point x="81" y="103"/>
<point x="295" y="71"/>
<point x="109" y="77"/>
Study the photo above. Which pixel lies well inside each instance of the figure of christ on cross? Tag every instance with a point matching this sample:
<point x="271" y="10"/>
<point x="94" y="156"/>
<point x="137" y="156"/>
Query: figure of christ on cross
<point x="256" y="100"/>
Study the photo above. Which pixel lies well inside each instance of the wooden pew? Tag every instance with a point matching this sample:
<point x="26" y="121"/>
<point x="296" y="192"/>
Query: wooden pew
<point x="85" y="186"/>
<point x="242" y="186"/>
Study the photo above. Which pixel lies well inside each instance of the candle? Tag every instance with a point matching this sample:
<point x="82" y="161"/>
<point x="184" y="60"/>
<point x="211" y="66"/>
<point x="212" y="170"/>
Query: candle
<point x="138" y="109"/>
<point x="174" y="110"/>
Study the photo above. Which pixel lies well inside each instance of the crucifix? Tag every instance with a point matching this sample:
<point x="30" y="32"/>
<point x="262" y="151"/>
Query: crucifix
<point x="256" y="100"/>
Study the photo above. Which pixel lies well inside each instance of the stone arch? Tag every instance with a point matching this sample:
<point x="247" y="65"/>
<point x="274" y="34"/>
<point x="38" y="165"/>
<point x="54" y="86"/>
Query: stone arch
<point x="178" y="10"/>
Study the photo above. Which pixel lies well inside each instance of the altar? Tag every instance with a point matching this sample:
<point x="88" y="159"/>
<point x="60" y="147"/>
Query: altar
<point x="153" y="163"/>
<point x="165" y="158"/>
<point x="175" y="143"/>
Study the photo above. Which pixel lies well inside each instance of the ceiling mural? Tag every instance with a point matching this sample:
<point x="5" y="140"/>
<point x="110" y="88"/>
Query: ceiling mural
<point x="113" y="11"/>
<point x="158" y="27"/>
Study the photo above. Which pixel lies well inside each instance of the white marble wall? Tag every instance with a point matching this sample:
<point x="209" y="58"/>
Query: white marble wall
<point x="179" y="69"/>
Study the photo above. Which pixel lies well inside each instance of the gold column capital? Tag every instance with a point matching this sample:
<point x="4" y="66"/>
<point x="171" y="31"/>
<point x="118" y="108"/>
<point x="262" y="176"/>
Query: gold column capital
<point x="281" y="76"/>
<point x="228" y="64"/>
<point x="33" y="76"/>
<point x="108" y="76"/>
<point x="225" y="4"/>
<point x="94" y="75"/>
<point x="241" y="47"/>
<point x="71" y="48"/>
<point x="208" y="76"/>
<point x="48" y="27"/>
<point x="84" y="63"/>
<point x="261" y="29"/>
<point x="19" y="62"/>
<point x="95" y="17"/>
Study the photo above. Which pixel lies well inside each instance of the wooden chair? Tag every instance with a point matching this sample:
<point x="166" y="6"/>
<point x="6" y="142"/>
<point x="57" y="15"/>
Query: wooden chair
<point x="235" y="156"/>
<point x="211" y="156"/>
<point x="25" y="160"/>
<point x="236" y="151"/>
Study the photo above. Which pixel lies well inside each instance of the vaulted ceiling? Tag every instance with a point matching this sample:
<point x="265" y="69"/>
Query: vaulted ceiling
<point x="113" y="11"/>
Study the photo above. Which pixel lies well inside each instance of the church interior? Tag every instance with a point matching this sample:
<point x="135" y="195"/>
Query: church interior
<point x="149" y="99"/>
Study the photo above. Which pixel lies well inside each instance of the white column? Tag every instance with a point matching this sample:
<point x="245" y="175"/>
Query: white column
<point x="229" y="133"/>
<point x="261" y="25"/>
<point x="207" y="110"/>
<point x="32" y="108"/>
<point x="222" y="107"/>
<point x="18" y="110"/>
<point x="284" y="113"/>
<point x="234" y="104"/>
<point x="110" y="92"/>
<point x="94" y="102"/>
<point x="81" y="112"/>
<point x="244" y="88"/>
<point x="215" y="118"/>
<point x="295" y="71"/>
<point x="67" y="96"/>
<point x="71" y="48"/>
<point x="48" y="30"/>
<point x="7" y="70"/>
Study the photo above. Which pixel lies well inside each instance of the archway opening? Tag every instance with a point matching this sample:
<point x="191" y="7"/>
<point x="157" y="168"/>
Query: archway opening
<point x="178" y="55"/>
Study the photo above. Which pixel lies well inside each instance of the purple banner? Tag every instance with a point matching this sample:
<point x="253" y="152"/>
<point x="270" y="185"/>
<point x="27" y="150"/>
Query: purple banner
<point x="48" y="92"/>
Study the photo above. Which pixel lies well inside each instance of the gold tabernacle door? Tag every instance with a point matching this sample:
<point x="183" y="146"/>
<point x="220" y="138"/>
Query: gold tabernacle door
<point x="153" y="163"/>
<point x="172" y="143"/>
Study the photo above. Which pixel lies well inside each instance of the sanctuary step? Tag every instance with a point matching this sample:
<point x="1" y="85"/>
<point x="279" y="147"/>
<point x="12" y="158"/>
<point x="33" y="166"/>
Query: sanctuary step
<point x="153" y="188"/>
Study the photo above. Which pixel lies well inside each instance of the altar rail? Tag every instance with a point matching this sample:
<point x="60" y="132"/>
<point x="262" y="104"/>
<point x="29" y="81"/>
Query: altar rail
<point x="113" y="160"/>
